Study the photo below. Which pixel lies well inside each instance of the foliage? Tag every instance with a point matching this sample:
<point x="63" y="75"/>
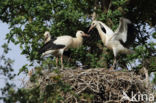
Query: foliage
<point x="6" y="70"/>
<point x="28" y="21"/>
<point x="6" y="63"/>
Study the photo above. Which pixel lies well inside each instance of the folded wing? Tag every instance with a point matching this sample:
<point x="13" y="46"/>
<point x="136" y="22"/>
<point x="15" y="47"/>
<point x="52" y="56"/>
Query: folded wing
<point x="50" y="45"/>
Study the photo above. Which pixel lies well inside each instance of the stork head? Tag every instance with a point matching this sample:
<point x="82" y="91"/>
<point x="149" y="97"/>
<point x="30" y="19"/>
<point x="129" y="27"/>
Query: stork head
<point x="93" y="24"/>
<point x="47" y="36"/>
<point x="81" y="34"/>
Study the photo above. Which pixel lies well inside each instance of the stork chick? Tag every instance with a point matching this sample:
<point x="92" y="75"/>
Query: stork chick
<point x="113" y="40"/>
<point x="60" y="44"/>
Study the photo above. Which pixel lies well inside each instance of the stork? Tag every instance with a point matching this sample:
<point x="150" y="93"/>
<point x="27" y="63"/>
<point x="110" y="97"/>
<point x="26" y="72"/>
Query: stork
<point x="47" y="37"/>
<point x="113" y="40"/>
<point x="58" y="45"/>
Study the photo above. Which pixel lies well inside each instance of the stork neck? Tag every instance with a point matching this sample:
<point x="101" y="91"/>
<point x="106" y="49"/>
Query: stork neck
<point x="101" y="33"/>
<point x="77" y="42"/>
<point x="108" y="30"/>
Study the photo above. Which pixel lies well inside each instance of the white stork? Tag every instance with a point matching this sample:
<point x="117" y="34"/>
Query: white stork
<point x="47" y="37"/>
<point x="60" y="44"/>
<point x="113" y="40"/>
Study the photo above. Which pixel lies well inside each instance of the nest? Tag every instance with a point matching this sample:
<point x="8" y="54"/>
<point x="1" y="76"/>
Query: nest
<point x="94" y="85"/>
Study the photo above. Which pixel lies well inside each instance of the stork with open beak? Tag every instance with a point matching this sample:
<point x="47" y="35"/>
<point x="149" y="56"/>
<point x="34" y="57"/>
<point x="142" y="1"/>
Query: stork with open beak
<point x="113" y="40"/>
<point x="60" y="44"/>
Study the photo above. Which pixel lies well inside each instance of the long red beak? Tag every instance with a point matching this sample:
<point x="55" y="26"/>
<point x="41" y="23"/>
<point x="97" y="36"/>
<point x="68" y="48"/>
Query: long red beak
<point x="86" y="35"/>
<point x="91" y="27"/>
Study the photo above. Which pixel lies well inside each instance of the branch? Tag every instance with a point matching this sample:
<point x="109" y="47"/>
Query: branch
<point x="94" y="12"/>
<point x="105" y="5"/>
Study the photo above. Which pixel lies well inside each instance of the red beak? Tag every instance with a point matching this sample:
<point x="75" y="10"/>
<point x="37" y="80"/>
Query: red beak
<point x="90" y="28"/>
<point x="86" y="35"/>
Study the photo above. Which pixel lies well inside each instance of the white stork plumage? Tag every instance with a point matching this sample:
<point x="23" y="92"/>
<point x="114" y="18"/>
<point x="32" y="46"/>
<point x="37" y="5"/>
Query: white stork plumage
<point x="113" y="40"/>
<point x="60" y="44"/>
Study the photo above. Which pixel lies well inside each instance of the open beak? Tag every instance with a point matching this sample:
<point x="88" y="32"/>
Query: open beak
<point x="86" y="35"/>
<point x="91" y="27"/>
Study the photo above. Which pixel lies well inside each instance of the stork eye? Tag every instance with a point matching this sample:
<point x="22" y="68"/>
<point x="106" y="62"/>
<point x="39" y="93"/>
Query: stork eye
<point x="81" y="32"/>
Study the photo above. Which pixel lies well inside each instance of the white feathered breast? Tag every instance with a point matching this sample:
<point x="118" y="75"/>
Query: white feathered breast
<point x="64" y="40"/>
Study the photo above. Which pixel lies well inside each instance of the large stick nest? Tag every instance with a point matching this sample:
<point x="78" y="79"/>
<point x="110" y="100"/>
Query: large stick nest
<point x="99" y="84"/>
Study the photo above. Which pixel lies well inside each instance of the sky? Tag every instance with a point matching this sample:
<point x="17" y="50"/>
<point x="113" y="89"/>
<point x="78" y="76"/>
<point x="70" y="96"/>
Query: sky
<point x="15" y="50"/>
<point x="14" y="54"/>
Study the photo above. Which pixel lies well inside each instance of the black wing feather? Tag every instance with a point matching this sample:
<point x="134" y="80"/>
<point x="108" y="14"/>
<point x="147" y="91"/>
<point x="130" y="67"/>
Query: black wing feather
<point x="50" y="46"/>
<point x="103" y="29"/>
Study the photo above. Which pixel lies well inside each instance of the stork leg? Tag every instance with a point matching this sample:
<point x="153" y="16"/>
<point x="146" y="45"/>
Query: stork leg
<point x="115" y="60"/>
<point x="57" y="61"/>
<point x="114" y="63"/>
<point x="62" y="66"/>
